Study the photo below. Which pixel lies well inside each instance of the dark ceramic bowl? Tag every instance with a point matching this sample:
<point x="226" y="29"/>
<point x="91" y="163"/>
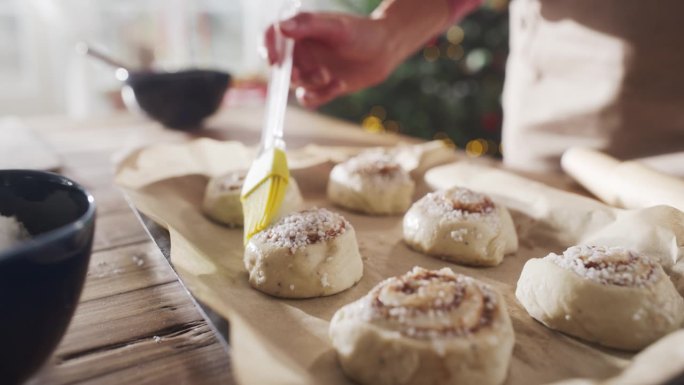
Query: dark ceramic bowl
<point x="180" y="100"/>
<point x="41" y="278"/>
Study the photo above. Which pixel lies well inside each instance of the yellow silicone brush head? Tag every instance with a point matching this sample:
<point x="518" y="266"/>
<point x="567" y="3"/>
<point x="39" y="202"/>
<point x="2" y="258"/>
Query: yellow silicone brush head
<point x="264" y="191"/>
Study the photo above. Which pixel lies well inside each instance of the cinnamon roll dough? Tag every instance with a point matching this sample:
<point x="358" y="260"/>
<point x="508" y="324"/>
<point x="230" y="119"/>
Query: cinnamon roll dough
<point x="425" y="327"/>
<point x="222" y="199"/>
<point x="608" y="295"/>
<point x="306" y="254"/>
<point x="462" y="226"/>
<point x="371" y="183"/>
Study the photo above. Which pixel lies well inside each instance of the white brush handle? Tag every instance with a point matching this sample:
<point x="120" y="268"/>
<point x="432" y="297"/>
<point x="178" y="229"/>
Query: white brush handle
<point x="279" y="84"/>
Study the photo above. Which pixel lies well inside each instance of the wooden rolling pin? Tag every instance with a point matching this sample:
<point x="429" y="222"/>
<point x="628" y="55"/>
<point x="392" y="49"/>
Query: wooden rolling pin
<point x="629" y="184"/>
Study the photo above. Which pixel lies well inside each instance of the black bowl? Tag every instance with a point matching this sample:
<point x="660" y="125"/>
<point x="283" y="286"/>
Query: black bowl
<point x="180" y="100"/>
<point x="42" y="277"/>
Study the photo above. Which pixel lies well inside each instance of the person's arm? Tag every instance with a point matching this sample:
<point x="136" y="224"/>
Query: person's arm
<point x="337" y="54"/>
<point x="411" y="23"/>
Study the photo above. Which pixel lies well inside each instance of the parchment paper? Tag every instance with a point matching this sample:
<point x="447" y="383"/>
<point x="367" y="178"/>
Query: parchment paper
<point x="670" y="164"/>
<point x="660" y="363"/>
<point x="277" y="341"/>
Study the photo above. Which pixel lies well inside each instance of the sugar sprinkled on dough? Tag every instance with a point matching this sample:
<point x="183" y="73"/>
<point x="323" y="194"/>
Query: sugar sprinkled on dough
<point x="303" y="228"/>
<point x="430" y="304"/>
<point x="457" y="204"/>
<point x="608" y="265"/>
<point x="324" y="280"/>
<point x="378" y="167"/>
<point x="459" y="234"/>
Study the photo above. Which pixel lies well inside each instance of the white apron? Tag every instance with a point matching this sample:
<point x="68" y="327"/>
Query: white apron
<point x="607" y="74"/>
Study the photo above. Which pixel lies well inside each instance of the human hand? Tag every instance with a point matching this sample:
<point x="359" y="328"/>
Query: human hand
<point x="335" y="54"/>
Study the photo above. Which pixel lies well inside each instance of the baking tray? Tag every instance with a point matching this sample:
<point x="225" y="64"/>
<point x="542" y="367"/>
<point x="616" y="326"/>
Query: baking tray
<point x="220" y="325"/>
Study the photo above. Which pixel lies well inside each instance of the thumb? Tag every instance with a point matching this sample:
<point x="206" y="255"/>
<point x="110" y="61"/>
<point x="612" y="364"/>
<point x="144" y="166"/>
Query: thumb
<point x="329" y="28"/>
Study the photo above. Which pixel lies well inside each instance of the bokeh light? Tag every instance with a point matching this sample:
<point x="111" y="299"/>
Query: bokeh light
<point x="477" y="59"/>
<point x="431" y="53"/>
<point x="372" y="124"/>
<point x="445" y="138"/>
<point x="455" y="35"/>
<point x="477" y="147"/>
<point x="454" y="52"/>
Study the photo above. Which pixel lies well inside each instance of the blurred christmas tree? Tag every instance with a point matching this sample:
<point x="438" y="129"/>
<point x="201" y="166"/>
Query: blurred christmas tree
<point x="451" y="89"/>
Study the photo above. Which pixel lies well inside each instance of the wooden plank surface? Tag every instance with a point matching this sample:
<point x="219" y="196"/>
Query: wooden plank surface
<point x="135" y="324"/>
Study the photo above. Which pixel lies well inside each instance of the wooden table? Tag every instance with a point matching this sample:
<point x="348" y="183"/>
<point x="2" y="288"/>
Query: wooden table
<point x="136" y="323"/>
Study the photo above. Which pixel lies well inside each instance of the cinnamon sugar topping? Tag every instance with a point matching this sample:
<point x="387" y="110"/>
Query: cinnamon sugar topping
<point x="429" y="304"/>
<point x="307" y="227"/>
<point x="609" y="265"/>
<point x="457" y="202"/>
<point x="376" y="164"/>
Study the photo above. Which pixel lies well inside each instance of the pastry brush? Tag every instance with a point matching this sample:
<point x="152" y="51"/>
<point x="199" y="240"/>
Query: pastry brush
<point x="266" y="181"/>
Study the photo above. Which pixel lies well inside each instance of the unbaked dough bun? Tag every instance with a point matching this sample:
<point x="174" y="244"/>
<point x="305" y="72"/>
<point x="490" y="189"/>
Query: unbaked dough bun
<point x="222" y="199"/>
<point x="462" y="226"/>
<point x="306" y="254"/>
<point x="371" y="183"/>
<point x="608" y="295"/>
<point x="425" y="327"/>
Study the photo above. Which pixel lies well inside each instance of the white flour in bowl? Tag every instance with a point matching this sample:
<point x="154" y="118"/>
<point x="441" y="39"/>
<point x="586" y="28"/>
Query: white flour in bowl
<point x="12" y="232"/>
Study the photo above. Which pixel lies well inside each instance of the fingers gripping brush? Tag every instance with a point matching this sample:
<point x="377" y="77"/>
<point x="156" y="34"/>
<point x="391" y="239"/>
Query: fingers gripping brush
<point x="264" y="188"/>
